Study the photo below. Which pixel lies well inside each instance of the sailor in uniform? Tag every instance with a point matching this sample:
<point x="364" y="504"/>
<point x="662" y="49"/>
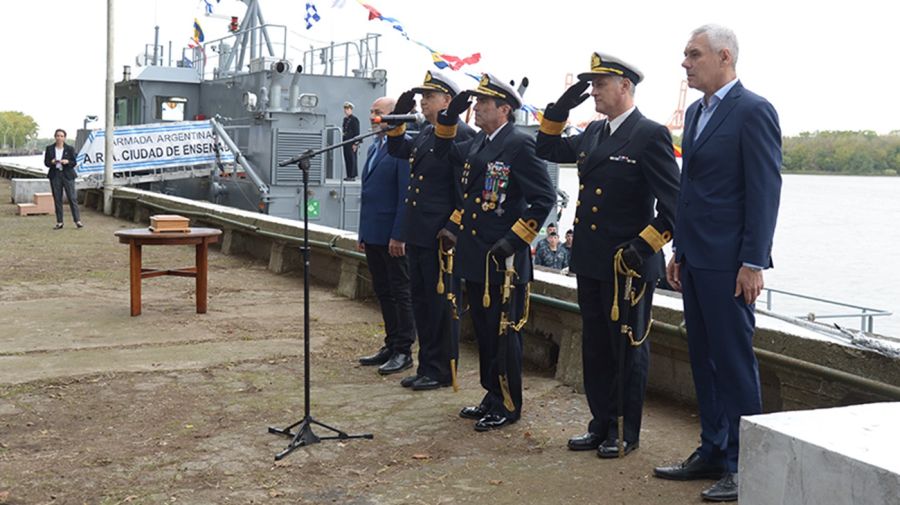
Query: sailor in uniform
<point x="625" y="163"/>
<point x="431" y="198"/>
<point x="506" y="195"/>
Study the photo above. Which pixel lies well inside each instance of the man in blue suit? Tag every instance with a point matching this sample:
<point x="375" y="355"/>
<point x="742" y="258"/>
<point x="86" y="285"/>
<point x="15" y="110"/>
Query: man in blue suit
<point x="382" y="236"/>
<point x="724" y="224"/>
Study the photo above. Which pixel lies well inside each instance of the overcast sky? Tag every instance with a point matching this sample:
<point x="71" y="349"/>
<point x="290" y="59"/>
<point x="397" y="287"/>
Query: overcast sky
<point x="824" y="65"/>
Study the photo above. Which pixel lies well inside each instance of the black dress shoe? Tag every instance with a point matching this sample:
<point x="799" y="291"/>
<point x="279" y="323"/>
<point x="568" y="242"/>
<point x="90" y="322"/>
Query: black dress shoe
<point x="587" y="442"/>
<point x="610" y="448"/>
<point x="726" y="489"/>
<point x="379" y="358"/>
<point x="397" y="363"/>
<point x="693" y="468"/>
<point x="476" y="412"/>
<point x="492" y="422"/>
<point x="425" y="383"/>
<point x="407" y="382"/>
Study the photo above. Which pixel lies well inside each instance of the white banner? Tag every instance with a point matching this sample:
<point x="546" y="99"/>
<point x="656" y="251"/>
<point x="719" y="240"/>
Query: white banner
<point x="150" y="146"/>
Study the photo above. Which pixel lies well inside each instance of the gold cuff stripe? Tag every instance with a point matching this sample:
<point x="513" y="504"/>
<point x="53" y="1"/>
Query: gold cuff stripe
<point x="456" y="217"/>
<point x="524" y="232"/>
<point x="656" y="239"/>
<point x="397" y="131"/>
<point x="445" y="131"/>
<point x="554" y="128"/>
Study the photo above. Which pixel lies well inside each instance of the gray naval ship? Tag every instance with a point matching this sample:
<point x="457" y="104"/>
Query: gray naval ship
<point x="267" y="101"/>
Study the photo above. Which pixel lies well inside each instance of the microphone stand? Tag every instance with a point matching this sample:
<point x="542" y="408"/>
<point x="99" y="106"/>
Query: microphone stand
<point x="304" y="435"/>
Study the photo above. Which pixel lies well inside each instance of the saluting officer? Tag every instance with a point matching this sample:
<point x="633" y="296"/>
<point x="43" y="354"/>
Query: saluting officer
<point x="506" y="194"/>
<point x="625" y="162"/>
<point x="431" y="197"/>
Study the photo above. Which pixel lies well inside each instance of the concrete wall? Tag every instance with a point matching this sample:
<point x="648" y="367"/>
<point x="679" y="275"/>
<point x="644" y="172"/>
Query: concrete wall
<point x="832" y="373"/>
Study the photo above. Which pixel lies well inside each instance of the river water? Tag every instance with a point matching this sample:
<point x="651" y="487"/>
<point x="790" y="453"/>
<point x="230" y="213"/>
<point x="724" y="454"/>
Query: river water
<point x="836" y="239"/>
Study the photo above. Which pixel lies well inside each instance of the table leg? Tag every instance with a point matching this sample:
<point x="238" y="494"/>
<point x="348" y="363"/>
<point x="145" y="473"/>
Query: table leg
<point x="202" y="265"/>
<point x="135" y="275"/>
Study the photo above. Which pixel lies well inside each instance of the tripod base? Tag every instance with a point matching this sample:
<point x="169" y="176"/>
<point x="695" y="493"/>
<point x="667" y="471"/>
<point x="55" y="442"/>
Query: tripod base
<point x="305" y="435"/>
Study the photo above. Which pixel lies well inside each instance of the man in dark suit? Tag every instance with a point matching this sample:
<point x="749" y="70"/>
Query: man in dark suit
<point x="625" y="163"/>
<point x="725" y="221"/>
<point x="431" y="197"/>
<point x="506" y="194"/>
<point x="382" y="236"/>
<point x="350" y="130"/>
<point x="59" y="158"/>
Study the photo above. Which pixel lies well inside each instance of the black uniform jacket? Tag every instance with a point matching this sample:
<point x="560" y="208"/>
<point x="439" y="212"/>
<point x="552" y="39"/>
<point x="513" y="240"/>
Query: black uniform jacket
<point x="506" y="193"/>
<point x="68" y="171"/>
<point x="350" y="127"/>
<point x="619" y="179"/>
<point x="433" y="188"/>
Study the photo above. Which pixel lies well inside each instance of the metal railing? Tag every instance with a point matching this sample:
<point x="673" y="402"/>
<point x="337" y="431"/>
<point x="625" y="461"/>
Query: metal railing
<point x="321" y="60"/>
<point x="866" y="315"/>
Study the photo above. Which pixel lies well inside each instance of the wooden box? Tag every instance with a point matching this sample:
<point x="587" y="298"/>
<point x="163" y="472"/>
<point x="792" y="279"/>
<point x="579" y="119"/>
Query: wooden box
<point x="165" y="223"/>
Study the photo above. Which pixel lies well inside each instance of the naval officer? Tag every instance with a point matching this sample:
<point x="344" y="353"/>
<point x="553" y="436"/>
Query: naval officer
<point x="430" y="199"/>
<point x="506" y="195"/>
<point x="626" y="168"/>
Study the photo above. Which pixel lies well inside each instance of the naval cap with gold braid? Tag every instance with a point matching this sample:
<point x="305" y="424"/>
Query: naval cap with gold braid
<point x="493" y="87"/>
<point x="604" y="64"/>
<point x="436" y="81"/>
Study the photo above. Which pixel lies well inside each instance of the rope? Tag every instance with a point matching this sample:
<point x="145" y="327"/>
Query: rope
<point x="621" y="268"/>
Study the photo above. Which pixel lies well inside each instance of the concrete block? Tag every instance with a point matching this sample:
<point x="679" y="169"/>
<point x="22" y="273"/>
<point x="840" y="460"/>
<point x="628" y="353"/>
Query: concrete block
<point x="284" y="257"/>
<point x="839" y="456"/>
<point x="349" y="283"/>
<point x="231" y="242"/>
<point x="43" y="204"/>
<point x="23" y="190"/>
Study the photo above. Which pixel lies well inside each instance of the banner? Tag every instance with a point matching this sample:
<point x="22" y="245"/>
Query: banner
<point x="150" y="146"/>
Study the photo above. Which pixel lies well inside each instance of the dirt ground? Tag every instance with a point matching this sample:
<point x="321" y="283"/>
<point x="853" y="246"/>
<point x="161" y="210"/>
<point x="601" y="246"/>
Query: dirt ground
<point x="97" y="407"/>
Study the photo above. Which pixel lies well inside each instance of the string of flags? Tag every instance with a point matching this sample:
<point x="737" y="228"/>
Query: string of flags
<point x="440" y="60"/>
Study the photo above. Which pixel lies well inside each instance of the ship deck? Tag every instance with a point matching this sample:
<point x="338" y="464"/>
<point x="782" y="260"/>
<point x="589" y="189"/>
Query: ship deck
<point x="173" y="407"/>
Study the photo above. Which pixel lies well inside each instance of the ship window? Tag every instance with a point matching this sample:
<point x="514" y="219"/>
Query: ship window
<point x="170" y="108"/>
<point x="121" y="111"/>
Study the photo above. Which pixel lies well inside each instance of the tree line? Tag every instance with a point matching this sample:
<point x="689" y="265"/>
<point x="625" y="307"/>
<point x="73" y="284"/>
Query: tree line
<point x="18" y="132"/>
<point x="840" y="152"/>
<point x="843" y="152"/>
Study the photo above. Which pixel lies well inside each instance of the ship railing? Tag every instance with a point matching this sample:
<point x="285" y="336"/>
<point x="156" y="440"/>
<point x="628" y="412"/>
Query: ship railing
<point x="231" y="54"/>
<point x="866" y="315"/>
<point x="348" y="59"/>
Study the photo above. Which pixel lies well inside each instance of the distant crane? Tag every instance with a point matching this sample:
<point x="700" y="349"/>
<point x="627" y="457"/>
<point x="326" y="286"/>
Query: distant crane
<point x="676" y="123"/>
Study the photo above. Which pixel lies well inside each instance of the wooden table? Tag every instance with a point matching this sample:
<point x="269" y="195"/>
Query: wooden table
<point x="139" y="237"/>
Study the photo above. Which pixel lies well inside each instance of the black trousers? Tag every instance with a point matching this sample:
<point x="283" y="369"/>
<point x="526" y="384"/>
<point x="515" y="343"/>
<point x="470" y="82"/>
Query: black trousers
<point x="350" y="160"/>
<point x="432" y="313"/>
<point x="487" y="328"/>
<point x="390" y="280"/>
<point x="59" y="184"/>
<point x="600" y="343"/>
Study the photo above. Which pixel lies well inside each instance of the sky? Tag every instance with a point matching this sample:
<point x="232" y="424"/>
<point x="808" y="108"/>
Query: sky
<point x="823" y="65"/>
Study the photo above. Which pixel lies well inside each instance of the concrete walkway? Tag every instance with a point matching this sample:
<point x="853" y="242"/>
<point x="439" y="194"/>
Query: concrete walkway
<point x="172" y="406"/>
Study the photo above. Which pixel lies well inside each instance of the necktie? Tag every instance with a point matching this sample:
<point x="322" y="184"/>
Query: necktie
<point x="484" y="143"/>
<point x="606" y="132"/>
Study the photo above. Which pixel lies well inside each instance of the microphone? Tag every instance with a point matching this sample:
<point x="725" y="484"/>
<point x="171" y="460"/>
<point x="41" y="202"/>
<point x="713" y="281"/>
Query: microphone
<point x="399" y="118"/>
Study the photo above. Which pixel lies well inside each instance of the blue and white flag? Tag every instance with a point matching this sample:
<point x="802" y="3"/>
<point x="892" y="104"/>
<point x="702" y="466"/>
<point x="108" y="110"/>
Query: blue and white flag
<point x="312" y="15"/>
<point x="209" y="7"/>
